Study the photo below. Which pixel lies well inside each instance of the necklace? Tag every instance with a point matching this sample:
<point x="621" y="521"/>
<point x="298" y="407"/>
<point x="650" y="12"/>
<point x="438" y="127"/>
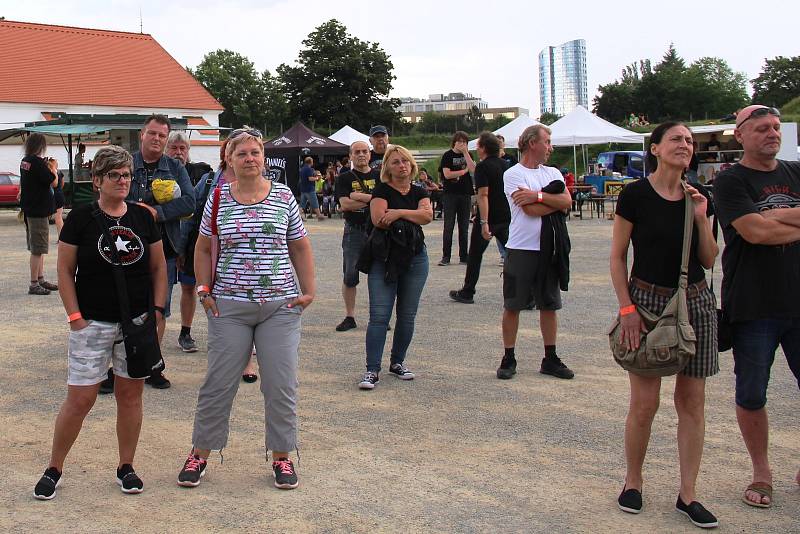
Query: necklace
<point x="247" y="199"/>
<point x="114" y="218"/>
<point x="405" y="190"/>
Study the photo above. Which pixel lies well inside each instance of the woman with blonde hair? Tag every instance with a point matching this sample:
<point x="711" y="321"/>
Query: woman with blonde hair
<point x="252" y="298"/>
<point x="396" y="261"/>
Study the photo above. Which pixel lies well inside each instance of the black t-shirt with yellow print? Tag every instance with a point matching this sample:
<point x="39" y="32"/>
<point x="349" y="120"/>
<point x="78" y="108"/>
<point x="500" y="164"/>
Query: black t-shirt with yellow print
<point x="359" y="182"/>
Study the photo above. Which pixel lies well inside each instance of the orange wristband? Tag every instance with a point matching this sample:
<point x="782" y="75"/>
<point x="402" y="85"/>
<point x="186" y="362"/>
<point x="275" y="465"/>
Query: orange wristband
<point x="627" y="310"/>
<point x="74" y="316"/>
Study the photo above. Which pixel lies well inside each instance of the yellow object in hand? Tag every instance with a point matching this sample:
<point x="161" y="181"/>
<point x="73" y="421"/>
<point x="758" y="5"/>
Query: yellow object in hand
<point x="165" y="190"/>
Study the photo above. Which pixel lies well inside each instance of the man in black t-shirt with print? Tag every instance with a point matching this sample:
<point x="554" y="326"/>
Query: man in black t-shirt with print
<point x="758" y="202"/>
<point x="353" y="191"/>
<point x="456" y="168"/>
<point x="379" y="137"/>
<point x="493" y="215"/>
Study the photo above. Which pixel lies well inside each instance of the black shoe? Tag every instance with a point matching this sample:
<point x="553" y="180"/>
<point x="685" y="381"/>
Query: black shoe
<point x="347" y="324"/>
<point x="250" y="377"/>
<point x="187" y="343"/>
<point x="46" y="487"/>
<point x="463" y="261"/>
<point x="158" y="381"/>
<point x="129" y="482"/>
<point x="459" y="297"/>
<point x="552" y="365"/>
<point x="630" y="500"/>
<point x="193" y="470"/>
<point x="507" y="369"/>
<point x="401" y="371"/>
<point x="444" y="261"/>
<point x="285" y="475"/>
<point x="697" y="514"/>
<point x="107" y="385"/>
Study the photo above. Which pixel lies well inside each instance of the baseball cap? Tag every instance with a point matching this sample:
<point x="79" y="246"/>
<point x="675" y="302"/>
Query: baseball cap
<point x="754" y="111"/>
<point x="378" y="128"/>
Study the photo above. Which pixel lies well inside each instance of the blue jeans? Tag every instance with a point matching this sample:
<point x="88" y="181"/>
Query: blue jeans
<point x="754" y="345"/>
<point x="309" y="198"/>
<point x="382" y="295"/>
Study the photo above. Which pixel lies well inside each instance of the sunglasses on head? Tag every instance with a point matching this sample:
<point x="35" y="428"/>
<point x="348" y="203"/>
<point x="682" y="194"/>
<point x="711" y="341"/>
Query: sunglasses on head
<point x="761" y="112"/>
<point x="249" y="131"/>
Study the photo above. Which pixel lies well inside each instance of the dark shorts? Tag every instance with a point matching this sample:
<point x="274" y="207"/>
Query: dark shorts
<point x="754" y="345"/>
<point x="172" y="279"/>
<point x="353" y="241"/>
<point x="38" y="234"/>
<point x="703" y="318"/>
<point x="519" y="285"/>
<point x="186" y="279"/>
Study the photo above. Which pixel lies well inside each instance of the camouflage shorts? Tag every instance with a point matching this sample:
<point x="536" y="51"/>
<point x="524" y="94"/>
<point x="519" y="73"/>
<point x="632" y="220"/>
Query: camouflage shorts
<point x="92" y="350"/>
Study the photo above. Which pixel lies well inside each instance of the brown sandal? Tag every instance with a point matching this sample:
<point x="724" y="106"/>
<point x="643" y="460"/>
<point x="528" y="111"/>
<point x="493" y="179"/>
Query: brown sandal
<point x="763" y="489"/>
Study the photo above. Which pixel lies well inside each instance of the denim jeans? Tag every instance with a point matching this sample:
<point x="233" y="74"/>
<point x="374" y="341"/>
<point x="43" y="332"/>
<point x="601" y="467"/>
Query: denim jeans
<point x="382" y="295"/>
<point x="456" y="206"/>
<point x="754" y="345"/>
<point x="353" y="240"/>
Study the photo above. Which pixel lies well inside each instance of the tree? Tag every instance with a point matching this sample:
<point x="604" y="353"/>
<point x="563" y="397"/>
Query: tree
<point x="549" y="118"/>
<point x="719" y="89"/>
<point x="778" y="82"/>
<point x="339" y="79"/>
<point x="614" y="102"/>
<point x="248" y="98"/>
<point x="474" y="120"/>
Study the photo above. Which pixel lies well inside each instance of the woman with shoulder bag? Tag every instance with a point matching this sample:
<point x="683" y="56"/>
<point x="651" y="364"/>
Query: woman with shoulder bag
<point x="251" y="297"/>
<point x="88" y="290"/>
<point x="650" y="215"/>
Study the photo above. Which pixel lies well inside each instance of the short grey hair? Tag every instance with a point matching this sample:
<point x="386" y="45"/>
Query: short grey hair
<point x="531" y="133"/>
<point x="176" y="136"/>
<point x="110" y="158"/>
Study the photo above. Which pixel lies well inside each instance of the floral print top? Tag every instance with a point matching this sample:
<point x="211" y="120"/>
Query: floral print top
<point x="253" y="263"/>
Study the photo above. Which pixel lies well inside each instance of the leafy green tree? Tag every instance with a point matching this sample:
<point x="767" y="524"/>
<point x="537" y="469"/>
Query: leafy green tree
<point x="718" y="89"/>
<point x="778" y="82"/>
<point x="474" y="120"/>
<point x="614" y="102"/>
<point x="549" y="118"/>
<point x="339" y="79"/>
<point x="497" y="122"/>
<point x="247" y="96"/>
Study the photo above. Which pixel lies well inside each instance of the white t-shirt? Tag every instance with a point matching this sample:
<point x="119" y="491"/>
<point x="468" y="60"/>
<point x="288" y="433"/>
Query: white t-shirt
<point x="524" y="232"/>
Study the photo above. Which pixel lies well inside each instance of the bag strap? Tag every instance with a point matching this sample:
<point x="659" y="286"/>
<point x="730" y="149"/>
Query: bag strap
<point x="688" y="224"/>
<point x="119" y="276"/>
<point x="215" y="211"/>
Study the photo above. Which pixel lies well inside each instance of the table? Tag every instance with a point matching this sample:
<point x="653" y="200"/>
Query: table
<point x="588" y="193"/>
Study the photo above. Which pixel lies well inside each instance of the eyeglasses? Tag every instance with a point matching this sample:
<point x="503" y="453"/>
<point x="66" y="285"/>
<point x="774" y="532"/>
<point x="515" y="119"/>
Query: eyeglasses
<point x="249" y="131"/>
<point x="118" y="176"/>
<point x="760" y="112"/>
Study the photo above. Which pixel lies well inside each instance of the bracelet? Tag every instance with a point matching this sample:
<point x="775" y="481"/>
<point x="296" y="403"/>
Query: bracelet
<point x="627" y="310"/>
<point x="539" y="197"/>
<point x="74" y="316"/>
<point x="159" y="309"/>
<point x="201" y="289"/>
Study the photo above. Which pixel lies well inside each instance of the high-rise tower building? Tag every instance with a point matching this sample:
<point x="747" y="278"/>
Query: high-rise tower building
<point x="562" y="77"/>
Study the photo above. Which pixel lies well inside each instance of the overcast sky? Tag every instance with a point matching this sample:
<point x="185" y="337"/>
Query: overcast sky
<point x="489" y="49"/>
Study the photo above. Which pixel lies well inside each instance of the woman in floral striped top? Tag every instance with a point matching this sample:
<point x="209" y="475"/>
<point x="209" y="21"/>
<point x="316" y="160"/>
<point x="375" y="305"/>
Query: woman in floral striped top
<point x="254" y="299"/>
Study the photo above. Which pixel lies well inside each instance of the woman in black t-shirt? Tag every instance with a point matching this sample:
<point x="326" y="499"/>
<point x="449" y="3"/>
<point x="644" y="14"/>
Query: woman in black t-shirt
<point x="400" y="208"/>
<point x="650" y="214"/>
<point x="88" y="291"/>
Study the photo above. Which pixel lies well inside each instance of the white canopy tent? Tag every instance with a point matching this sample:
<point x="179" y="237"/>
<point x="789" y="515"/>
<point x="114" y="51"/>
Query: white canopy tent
<point x="510" y="131"/>
<point x="347" y="136"/>
<point x="580" y="127"/>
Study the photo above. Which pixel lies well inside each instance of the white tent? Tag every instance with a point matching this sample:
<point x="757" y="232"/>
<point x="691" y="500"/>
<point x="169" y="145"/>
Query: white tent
<point x="579" y="127"/>
<point x="347" y="136"/>
<point x="510" y="131"/>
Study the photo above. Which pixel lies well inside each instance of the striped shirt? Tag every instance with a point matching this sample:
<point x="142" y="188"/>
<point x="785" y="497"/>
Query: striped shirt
<point x="253" y="263"/>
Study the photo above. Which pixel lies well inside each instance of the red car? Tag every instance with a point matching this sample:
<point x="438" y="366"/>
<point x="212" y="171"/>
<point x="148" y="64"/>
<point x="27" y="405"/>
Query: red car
<point x="9" y="189"/>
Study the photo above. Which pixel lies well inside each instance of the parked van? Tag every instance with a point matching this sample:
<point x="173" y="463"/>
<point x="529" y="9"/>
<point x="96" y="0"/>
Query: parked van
<point x="628" y="162"/>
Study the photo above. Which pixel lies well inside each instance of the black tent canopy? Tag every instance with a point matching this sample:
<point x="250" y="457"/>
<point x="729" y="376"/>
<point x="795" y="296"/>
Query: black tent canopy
<point x="284" y="153"/>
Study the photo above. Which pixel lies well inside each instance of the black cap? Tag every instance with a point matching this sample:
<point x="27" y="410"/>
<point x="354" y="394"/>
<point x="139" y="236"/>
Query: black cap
<point x="378" y="128"/>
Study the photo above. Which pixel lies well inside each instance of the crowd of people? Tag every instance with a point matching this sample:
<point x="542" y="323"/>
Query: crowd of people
<point x="237" y="240"/>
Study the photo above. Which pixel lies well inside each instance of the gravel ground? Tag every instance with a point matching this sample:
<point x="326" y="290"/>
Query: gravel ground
<point x="455" y="450"/>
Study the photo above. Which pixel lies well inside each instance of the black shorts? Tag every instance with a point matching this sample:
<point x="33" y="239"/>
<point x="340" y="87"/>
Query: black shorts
<point x="519" y="283"/>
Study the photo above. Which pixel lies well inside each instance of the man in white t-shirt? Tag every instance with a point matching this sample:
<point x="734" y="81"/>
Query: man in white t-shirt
<point x="523" y="187"/>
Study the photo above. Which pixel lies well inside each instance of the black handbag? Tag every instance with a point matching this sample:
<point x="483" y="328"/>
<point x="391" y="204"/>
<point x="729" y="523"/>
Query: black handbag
<point x="142" y="349"/>
<point x="724" y="327"/>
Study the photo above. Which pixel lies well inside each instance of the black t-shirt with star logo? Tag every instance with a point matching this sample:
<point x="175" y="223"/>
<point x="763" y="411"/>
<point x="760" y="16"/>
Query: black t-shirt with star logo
<point x="94" y="280"/>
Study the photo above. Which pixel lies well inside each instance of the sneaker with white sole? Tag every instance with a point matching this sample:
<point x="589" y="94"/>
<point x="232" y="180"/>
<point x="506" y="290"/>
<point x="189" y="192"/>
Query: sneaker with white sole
<point x="46" y="487"/>
<point x="401" y="371"/>
<point x="369" y="380"/>
<point x="187" y="343"/>
<point x="284" y="473"/>
<point x="194" y="468"/>
<point x="129" y="482"/>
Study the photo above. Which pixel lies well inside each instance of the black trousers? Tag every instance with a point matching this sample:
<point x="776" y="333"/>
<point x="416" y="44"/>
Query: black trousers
<point x="456" y="206"/>
<point x="477" y="246"/>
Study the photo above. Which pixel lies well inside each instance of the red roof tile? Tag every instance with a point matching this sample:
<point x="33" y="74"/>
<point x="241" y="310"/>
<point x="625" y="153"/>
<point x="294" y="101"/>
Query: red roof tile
<point x="42" y="64"/>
